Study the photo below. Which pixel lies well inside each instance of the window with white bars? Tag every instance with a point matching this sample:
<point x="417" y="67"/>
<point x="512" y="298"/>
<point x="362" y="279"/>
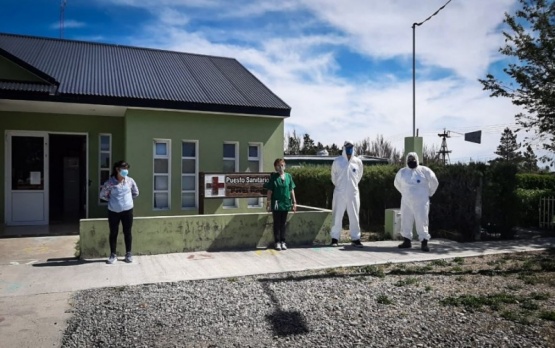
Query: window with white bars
<point x="161" y="174"/>
<point x="189" y="174"/>
<point x="255" y="166"/>
<point x="230" y="165"/>
<point x="104" y="159"/>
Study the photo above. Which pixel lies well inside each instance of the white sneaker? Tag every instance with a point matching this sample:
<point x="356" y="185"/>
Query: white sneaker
<point x="128" y="257"/>
<point x="283" y="246"/>
<point x="112" y="259"/>
<point x="278" y="246"/>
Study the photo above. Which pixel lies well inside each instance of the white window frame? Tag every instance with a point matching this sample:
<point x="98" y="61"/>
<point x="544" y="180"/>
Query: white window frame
<point x="100" y="169"/>
<point x="235" y="200"/>
<point x="260" y="202"/>
<point x="155" y="157"/>
<point x="195" y="175"/>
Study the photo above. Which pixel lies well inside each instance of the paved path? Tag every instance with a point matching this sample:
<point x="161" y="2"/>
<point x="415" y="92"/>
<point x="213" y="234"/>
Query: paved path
<point x="38" y="275"/>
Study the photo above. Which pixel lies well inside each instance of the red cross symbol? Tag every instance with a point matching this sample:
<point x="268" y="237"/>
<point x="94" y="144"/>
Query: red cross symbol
<point x="215" y="185"/>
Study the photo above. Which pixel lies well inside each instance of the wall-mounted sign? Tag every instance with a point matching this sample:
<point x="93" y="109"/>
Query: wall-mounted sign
<point x="236" y="185"/>
<point x="214" y="186"/>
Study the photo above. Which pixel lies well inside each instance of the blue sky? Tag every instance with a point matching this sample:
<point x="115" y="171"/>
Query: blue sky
<point x="345" y="67"/>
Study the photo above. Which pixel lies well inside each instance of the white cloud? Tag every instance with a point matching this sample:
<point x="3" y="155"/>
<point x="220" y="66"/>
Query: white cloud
<point x="303" y="68"/>
<point x="461" y="37"/>
<point x="173" y="17"/>
<point x="68" y="24"/>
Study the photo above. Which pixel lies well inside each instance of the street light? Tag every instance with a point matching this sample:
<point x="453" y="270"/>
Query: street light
<point x="414" y="25"/>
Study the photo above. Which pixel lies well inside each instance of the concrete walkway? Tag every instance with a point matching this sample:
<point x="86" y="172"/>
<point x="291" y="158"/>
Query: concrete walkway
<point x="38" y="275"/>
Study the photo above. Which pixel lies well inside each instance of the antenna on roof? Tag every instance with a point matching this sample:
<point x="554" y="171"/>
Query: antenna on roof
<point x="62" y="13"/>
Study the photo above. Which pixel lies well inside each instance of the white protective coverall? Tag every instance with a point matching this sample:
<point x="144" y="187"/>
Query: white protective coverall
<point x="416" y="186"/>
<point x="345" y="175"/>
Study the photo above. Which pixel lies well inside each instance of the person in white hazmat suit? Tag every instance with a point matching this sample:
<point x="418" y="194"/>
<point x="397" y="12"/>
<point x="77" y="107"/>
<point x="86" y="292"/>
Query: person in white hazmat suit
<point x="417" y="184"/>
<point x="346" y="172"/>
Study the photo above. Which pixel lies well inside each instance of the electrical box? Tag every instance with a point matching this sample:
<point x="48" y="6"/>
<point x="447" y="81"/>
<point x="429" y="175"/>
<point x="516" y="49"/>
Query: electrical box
<point x="392" y="226"/>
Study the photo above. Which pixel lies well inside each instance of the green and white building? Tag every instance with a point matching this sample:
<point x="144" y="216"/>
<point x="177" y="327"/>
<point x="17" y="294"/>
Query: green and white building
<point x="70" y="109"/>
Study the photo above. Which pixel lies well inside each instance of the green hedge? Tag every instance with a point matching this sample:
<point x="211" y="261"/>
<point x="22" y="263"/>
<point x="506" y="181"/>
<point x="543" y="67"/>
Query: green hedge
<point x="536" y="181"/>
<point x="470" y="197"/>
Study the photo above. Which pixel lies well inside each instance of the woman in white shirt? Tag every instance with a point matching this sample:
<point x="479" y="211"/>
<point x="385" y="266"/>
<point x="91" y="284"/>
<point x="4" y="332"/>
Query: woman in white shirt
<point x="119" y="191"/>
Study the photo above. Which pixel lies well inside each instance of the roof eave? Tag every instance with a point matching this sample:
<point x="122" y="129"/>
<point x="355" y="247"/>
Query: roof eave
<point x="146" y="103"/>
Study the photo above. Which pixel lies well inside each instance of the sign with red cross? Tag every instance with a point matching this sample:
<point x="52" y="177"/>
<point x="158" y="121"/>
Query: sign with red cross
<point x="214" y="186"/>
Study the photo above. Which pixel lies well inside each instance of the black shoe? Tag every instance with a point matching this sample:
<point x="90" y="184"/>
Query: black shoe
<point x="357" y="243"/>
<point x="334" y="242"/>
<point x="424" y="245"/>
<point x="406" y="244"/>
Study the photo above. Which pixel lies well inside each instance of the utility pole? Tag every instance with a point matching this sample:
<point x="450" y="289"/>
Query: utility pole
<point x="443" y="153"/>
<point x="414" y="25"/>
<point x="62" y="17"/>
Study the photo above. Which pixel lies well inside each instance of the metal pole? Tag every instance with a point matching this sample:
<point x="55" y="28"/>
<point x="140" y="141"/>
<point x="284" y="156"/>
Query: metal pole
<point x="414" y="66"/>
<point x="414" y="80"/>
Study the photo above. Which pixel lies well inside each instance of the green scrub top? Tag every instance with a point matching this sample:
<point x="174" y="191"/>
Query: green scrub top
<point x="281" y="191"/>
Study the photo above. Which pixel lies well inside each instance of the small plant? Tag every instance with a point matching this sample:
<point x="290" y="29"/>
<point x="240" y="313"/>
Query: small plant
<point x="528" y="265"/>
<point x="529" y="279"/>
<point x="373" y="271"/>
<point x="458" y="260"/>
<point x="509" y="315"/>
<point x="514" y="287"/>
<point x="529" y="304"/>
<point x="337" y="271"/>
<point x="232" y="279"/>
<point x="383" y="299"/>
<point x="440" y="263"/>
<point x="476" y="302"/>
<point x="456" y="269"/>
<point x="547" y="265"/>
<point x="520" y="318"/>
<point x="428" y="288"/>
<point x="548" y="315"/>
<point x="539" y="296"/>
<point x="407" y="281"/>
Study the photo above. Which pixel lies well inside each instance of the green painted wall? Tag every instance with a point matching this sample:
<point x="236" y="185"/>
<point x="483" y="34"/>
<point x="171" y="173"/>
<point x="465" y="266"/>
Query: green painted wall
<point x="143" y="126"/>
<point x="162" y="235"/>
<point x="66" y="123"/>
<point x="11" y="71"/>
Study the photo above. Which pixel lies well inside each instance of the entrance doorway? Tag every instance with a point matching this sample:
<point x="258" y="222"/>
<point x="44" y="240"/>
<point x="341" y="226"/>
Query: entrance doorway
<point x="67" y="178"/>
<point x="46" y="183"/>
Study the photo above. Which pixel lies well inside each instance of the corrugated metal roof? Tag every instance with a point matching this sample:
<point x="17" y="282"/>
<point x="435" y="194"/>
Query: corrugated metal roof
<point x="27" y="87"/>
<point x="122" y="75"/>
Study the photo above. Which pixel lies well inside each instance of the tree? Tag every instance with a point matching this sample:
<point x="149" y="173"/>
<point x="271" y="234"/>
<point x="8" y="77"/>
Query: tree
<point x="508" y="148"/>
<point x="530" y="161"/>
<point x="293" y="144"/>
<point x="430" y="155"/>
<point x="383" y="149"/>
<point x="530" y="45"/>
<point x="308" y="147"/>
<point x="333" y="150"/>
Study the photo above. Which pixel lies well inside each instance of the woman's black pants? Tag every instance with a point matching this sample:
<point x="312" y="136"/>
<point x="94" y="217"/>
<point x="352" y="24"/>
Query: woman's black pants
<point x="126" y="218"/>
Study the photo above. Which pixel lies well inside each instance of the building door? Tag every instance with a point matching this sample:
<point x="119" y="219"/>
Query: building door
<point x="26" y="178"/>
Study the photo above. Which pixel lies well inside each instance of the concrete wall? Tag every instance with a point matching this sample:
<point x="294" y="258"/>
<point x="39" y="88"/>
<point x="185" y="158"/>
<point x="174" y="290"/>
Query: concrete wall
<point x="171" y="234"/>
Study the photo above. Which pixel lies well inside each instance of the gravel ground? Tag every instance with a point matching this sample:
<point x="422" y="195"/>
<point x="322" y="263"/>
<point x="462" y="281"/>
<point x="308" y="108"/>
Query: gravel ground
<point x="491" y="301"/>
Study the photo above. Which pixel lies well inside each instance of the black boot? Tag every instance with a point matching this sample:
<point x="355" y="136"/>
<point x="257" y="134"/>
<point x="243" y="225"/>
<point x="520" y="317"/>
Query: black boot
<point x="424" y="245"/>
<point x="406" y="244"/>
